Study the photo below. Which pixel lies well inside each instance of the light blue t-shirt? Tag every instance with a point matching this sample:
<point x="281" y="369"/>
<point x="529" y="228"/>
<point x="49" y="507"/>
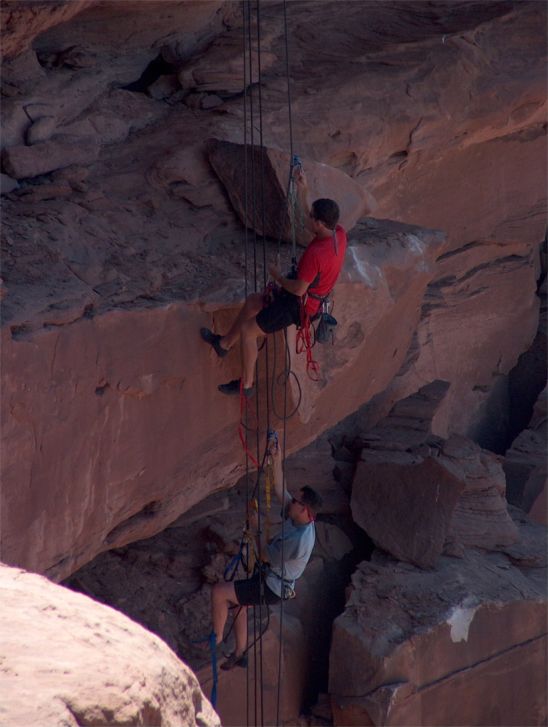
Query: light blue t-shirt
<point x="298" y="543"/>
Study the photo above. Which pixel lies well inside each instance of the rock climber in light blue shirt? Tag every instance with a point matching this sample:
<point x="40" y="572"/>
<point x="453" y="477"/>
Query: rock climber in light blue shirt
<point x="292" y="547"/>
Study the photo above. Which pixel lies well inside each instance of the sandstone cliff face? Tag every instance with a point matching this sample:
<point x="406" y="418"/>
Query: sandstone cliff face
<point x="407" y="637"/>
<point x="417" y="495"/>
<point x="432" y="637"/>
<point x="525" y="465"/>
<point x="432" y="645"/>
<point x="119" y="241"/>
<point x="67" y="660"/>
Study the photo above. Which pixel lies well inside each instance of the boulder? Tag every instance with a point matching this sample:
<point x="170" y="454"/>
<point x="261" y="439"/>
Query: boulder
<point x="269" y="168"/>
<point x="68" y="660"/>
<point x="463" y="643"/>
<point x="415" y="493"/>
<point x="406" y="506"/>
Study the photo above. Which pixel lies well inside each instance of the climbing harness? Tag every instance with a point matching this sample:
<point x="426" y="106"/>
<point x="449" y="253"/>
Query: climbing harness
<point x="247" y="546"/>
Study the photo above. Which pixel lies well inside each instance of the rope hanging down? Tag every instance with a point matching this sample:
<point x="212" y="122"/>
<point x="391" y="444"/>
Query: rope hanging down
<point x="254" y="168"/>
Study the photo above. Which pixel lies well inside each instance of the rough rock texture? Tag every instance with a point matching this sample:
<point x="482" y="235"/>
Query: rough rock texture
<point x="67" y="660"/>
<point x="47" y="156"/>
<point x="110" y="266"/>
<point x="468" y="311"/>
<point x="164" y="584"/>
<point x="525" y="465"/>
<point x="414" y="493"/>
<point x="140" y="409"/>
<point x="21" y="21"/>
<point x="462" y="644"/>
<point x="480" y="518"/>
<point x="406" y="507"/>
<point x="265" y="181"/>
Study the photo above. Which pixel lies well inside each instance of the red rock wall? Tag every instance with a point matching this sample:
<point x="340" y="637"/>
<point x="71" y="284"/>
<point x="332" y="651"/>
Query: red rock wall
<point x="119" y="241"/>
<point x="422" y="638"/>
<point x="110" y="421"/>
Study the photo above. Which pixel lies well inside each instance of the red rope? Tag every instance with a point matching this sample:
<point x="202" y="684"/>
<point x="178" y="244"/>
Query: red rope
<point x="303" y="342"/>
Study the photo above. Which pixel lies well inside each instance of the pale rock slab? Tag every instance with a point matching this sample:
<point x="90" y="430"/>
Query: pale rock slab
<point x="68" y="660"/>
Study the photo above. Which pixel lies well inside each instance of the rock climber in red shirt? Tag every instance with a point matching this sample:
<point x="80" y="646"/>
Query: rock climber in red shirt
<point x="317" y="273"/>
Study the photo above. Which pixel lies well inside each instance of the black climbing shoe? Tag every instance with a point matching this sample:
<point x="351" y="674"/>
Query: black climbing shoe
<point x="233" y="661"/>
<point x="213" y="340"/>
<point x="233" y="389"/>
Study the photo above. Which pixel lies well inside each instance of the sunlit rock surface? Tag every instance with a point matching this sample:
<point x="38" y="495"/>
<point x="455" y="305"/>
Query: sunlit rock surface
<point x="121" y="410"/>
<point x="464" y="643"/>
<point x="112" y="263"/>
<point x="68" y="661"/>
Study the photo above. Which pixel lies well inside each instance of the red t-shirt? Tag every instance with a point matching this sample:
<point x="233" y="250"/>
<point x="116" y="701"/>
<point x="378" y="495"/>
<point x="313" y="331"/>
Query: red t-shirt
<point x="320" y="266"/>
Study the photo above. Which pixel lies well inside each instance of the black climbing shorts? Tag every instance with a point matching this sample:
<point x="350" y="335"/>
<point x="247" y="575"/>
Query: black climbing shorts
<point x="248" y="592"/>
<point x="285" y="310"/>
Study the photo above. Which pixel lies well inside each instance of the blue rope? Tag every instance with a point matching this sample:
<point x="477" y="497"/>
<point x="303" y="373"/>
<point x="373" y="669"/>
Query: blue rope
<point x="213" y="649"/>
<point x="296" y="162"/>
<point x="212" y="641"/>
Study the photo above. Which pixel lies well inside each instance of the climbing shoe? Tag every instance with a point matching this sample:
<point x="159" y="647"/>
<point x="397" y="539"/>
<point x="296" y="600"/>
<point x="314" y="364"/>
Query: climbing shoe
<point x="213" y="339"/>
<point x="232" y="388"/>
<point x="233" y="661"/>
